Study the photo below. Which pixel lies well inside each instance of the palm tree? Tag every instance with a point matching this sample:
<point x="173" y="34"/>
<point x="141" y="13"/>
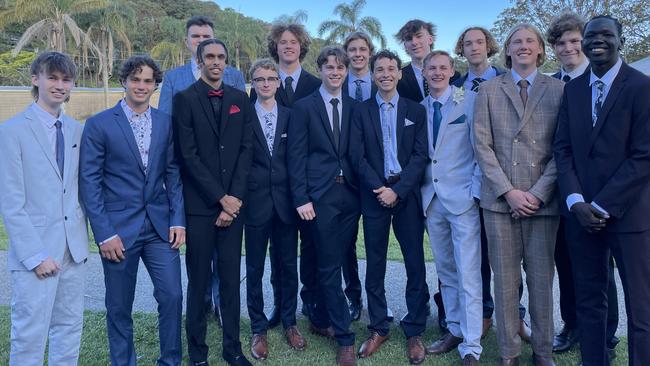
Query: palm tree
<point x="241" y="34"/>
<point x="169" y="54"/>
<point x="54" y="18"/>
<point x="351" y="21"/>
<point x="298" y="17"/>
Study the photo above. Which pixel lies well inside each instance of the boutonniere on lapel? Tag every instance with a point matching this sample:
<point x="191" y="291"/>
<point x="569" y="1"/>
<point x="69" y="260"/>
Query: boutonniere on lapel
<point x="459" y="95"/>
<point x="234" y="109"/>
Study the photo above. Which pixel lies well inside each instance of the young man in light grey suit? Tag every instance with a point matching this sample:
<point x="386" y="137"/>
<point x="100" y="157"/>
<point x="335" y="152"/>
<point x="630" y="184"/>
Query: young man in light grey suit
<point x="450" y="186"/>
<point x="131" y="188"/>
<point x="515" y="116"/>
<point x="48" y="239"/>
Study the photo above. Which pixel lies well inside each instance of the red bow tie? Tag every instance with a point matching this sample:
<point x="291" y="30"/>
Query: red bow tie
<point x="215" y="93"/>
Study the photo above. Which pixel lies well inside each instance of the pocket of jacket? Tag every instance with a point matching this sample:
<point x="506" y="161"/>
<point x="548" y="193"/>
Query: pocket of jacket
<point x="38" y="220"/>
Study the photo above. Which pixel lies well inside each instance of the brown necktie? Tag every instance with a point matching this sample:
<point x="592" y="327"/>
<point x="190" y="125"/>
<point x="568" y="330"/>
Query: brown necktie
<point x="523" y="90"/>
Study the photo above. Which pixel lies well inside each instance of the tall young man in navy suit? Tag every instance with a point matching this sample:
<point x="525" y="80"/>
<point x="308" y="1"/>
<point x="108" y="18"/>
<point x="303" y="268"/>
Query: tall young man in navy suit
<point x="269" y="214"/>
<point x="418" y="38"/>
<point x="131" y="187"/>
<point x="325" y="192"/>
<point x="564" y="34"/>
<point x="390" y="155"/>
<point x="602" y="149"/>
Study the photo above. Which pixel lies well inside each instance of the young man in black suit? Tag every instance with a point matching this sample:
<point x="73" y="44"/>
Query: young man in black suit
<point x="325" y="191"/>
<point x="418" y="38"/>
<point x="213" y="130"/>
<point x="565" y="36"/>
<point x="269" y="213"/>
<point x="602" y="150"/>
<point x="390" y="154"/>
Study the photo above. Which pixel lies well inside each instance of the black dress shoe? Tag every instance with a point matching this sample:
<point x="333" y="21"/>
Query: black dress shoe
<point x="274" y="317"/>
<point x="355" y="310"/>
<point x="236" y="360"/>
<point x="565" y="340"/>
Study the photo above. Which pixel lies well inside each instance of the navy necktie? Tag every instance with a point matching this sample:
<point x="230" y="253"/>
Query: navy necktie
<point x="475" y="83"/>
<point x="336" y="128"/>
<point x="358" y="92"/>
<point x="437" y="119"/>
<point x="288" y="87"/>
<point x="59" y="147"/>
<point x="566" y="78"/>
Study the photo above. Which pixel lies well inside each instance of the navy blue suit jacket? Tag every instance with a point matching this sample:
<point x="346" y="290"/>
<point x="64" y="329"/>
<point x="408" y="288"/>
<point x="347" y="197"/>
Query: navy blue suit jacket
<point x="313" y="160"/>
<point x="367" y="152"/>
<point x="268" y="179"/>
<point x="610" y="162"/>
<point x="461" y="80"/>
<point x="307" y="84"/>
<point x="116" y="191"/>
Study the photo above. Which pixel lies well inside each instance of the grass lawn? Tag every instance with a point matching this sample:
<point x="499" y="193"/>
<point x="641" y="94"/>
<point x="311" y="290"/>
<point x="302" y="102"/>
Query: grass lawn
<point x="394" y="252"/>
<point x="320" y="351"/>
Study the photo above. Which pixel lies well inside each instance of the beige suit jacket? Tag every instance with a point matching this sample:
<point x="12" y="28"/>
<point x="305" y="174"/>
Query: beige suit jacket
<point x="514" y="143"/>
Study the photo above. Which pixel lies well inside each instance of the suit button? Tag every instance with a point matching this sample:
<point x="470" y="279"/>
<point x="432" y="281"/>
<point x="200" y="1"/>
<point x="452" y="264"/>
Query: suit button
<point x="435" y="180"/>
<point x="516" y="140"/>
<point x="532" y="164"/>
<point x="65" y="217"/>
<point x="221" y="147"/>
<point x="514" y="163"/>
<point x="534" y="142"/>
<point x="435" y="161"/>
<point x="64" y="191"/>
<point x="223" y="171"/>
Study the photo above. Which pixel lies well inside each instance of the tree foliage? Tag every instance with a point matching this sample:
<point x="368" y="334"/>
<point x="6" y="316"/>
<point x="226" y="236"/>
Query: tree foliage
<point x="350" y="20"/>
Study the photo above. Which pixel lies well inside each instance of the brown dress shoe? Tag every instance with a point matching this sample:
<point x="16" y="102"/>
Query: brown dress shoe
<point x="372" y="344"/>
<point x="487" y="324"/>
<point x="542" y="361"/>
<point x="259" y="347"/>
<point x="524" y="331"/>
<point x="323" y="332"/>
<point x="345" y="356"/>
<point x="294" y="338"/>
<point x="469" y="360"/>
<point x="416" y="350"/>
<point x="509" y="361"/>
<point x="445" y="344"/>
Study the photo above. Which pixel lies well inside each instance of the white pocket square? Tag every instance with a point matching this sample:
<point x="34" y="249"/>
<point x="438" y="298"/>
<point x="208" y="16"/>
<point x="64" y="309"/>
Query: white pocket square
<point x="283" y="135"/>
<point x="408" y="122"/>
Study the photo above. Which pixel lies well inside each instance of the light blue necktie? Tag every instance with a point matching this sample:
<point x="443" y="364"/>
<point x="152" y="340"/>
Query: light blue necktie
<point x="386" y="127"/>
<point x="59" y="147"/>
<point x="600" y="86"/>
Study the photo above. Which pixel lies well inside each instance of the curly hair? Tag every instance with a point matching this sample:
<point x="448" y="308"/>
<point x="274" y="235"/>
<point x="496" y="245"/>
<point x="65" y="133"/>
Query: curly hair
<point x="385" y="54"/>
<point x="492" y="45"/>
<point x="540" y="58"/>
<point x="568" y="21"/>
<point x="411" y="27"/>
<point x="135" y="64"/>
<point x="297" y="30"/>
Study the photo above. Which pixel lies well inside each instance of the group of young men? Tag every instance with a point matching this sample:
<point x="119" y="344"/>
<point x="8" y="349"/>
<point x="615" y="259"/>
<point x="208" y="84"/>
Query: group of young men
<point x="474" y="159"/>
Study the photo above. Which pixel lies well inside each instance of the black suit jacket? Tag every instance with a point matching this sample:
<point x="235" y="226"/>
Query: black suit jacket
<point x="313" y="160"/>
<point x="609" y="163"/>
<point x="215" y="156"/>
<point x="307" y="83"/>
<point x="346" y="92"/>
<point x="408" y="86"/>
<point x="461" y="80"/>
<point x="367" y="152"/>
<point x="268" y="179"/>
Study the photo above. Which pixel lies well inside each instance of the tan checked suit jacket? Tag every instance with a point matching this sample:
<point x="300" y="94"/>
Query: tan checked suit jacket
<point x="514" y="144"/>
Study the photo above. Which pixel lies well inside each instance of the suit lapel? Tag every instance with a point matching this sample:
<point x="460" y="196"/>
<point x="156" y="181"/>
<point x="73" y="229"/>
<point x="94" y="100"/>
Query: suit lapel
<point x="322" y="112"/>
<point x="69" y="140"/>
<point x="345" y="124"/>
<point x="508" y="87"/>
<point x="536" y="93"/>
<point x="188" y="75"/>
<point x="207" y="107"/>
<point x="412" y="80"/>
<point x="345" y="90"/>
<point x="300" y="86"/>
<point x="41" y="136"/>
<point x="401" y="120"/>
<point x="123" y="123"/>
<point x="281" y="96"/>
<point x="257" y="128"/>
<point x="156" y="133"/>
<point x="375" y="119"/>
<point x="226" y="102"/>
<point x="280" y="128"/>
<point x="612" y="95"/>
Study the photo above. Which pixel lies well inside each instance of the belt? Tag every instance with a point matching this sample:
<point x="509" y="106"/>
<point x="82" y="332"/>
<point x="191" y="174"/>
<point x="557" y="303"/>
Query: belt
<point x="392" y="180"/>
<point x="339" y="179"/>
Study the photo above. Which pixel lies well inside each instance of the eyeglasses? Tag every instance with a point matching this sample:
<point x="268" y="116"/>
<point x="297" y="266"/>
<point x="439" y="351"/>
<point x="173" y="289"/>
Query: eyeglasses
<point x="270" y="79"/>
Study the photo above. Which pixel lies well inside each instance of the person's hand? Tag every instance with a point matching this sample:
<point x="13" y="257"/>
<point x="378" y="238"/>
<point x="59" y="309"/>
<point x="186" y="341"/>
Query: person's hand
<point x="224" y="219"/>
<point x="589" y="217"/>
<point x="386" y="196"/>
<point x="520" y="203"/>
<point x="306" y="211"/>
<point x="176" y="237"/>
<point x="47" y="268"/>
<point x="231" y="205"/>
<point x="113" y="250"/>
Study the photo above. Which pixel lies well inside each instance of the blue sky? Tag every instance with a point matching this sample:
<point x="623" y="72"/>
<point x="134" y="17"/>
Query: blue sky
<point x="451" y="17"/>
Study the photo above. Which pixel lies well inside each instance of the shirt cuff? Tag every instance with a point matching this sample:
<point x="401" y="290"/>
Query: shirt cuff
<point x="111" y="238"/>
<point x="177" y="227"/>
<point x="594" y="204"/>
<point x="35" y="260"/>
<point x="574" y="198"/>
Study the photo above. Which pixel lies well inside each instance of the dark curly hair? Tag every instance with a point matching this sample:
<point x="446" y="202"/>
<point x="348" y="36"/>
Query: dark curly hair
<point x="411" y="27"/>
<point x="134" y="64"/>
<point x="568" y="21"/>
<point x="276" y="33"/>
<point x="492" y="45"/>
<point x="385" y="54"/>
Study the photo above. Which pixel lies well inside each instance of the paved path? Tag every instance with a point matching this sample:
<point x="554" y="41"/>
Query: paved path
<point x="395" y="283"/>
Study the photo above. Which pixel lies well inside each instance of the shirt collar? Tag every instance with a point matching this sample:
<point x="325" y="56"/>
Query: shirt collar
<point x="609" y="76"/>
<point x="444" y="98"/>
<point x="261" y="111"/>
<point x="530" y="78"/>
<point x="45" y="116"/>
<point x="327" y="96"/>
<point x="295" y="75"/>
<point x="130" y="113"/>
<point x="488" y="74"/>
<point x="577" y="71"/>
<point x="393" y="100"/>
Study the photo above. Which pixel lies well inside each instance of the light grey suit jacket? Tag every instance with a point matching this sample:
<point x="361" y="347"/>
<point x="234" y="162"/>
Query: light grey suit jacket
<point x="41" y="209"/>
<point x="452" y="173"/>
<point x="514" y="145"/>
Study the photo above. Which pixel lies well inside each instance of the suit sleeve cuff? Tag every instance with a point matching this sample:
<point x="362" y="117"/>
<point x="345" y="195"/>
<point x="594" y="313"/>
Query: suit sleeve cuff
<point x="572" y="199"/>
<point x="594" y="204"/>
<point x="177" y="227"/>
<point x="105" y="240"/>
<point x="33" y="261"/>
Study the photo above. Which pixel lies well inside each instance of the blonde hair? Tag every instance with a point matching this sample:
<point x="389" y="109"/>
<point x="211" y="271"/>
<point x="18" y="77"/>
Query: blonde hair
<point x="540" y="58"/>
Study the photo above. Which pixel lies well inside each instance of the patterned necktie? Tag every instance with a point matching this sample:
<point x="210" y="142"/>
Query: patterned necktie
<point x="425" y="86"/>
<point x="566" y="78"/>
<point x="358" y="92"/>
<point x="475" y="84"/>
<point x="600" y="88"/>
<point x="523" y="91"/>
<point x="288" y="87"/>
<point x="269" y="132"/>
<point x="437" y="119"/>
<point x="60" y="157"/>
<point x="386" y="126"/>
<point x="141" y="130"/>
<point x="336" y="128"/>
